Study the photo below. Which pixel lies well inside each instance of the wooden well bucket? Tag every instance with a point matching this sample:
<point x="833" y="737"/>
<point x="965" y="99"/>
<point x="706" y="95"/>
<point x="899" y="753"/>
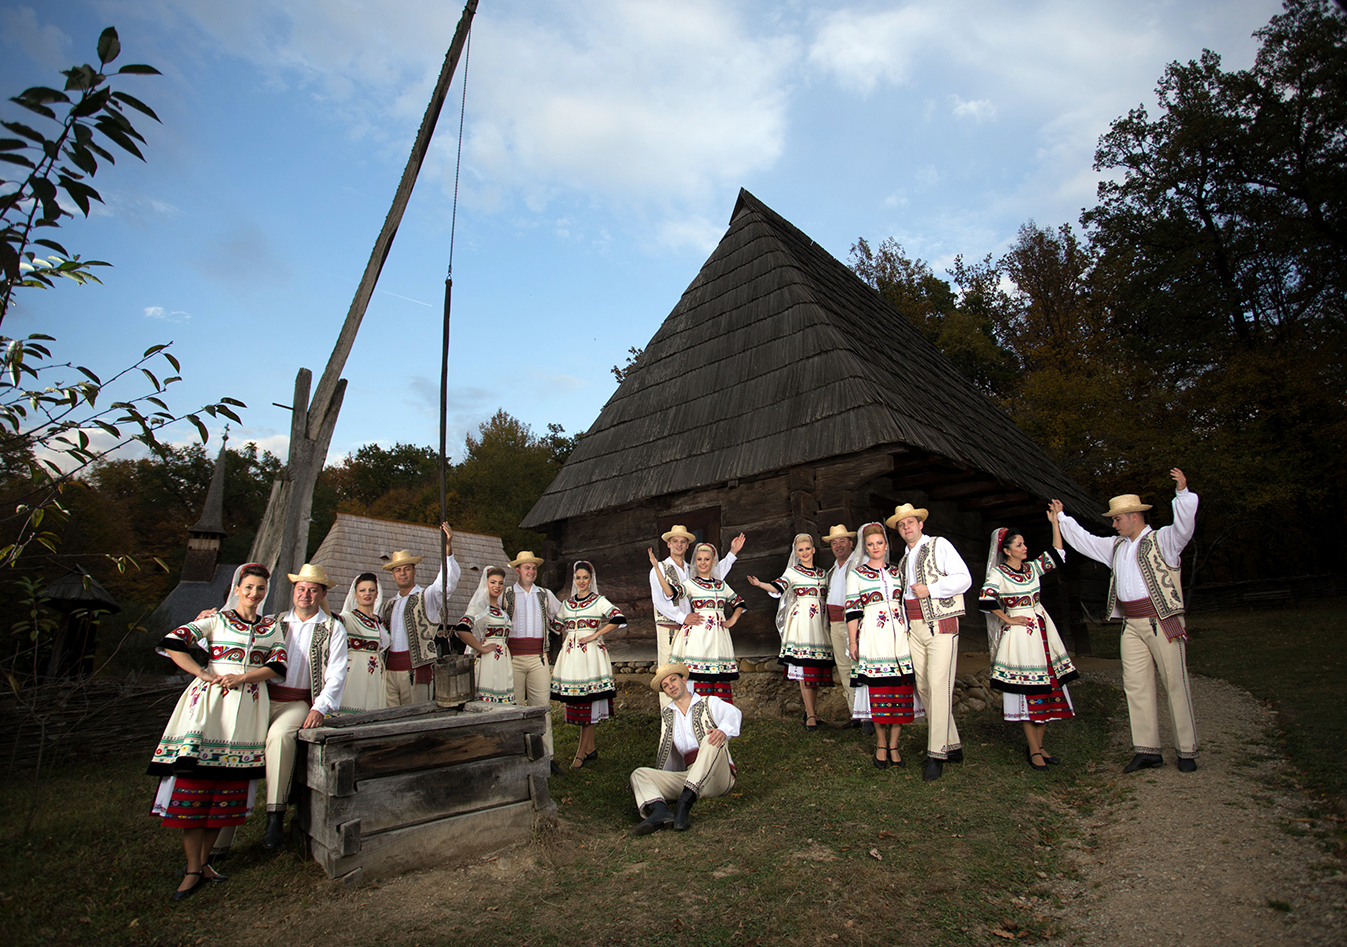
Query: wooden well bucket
<point x="453" y="680"/>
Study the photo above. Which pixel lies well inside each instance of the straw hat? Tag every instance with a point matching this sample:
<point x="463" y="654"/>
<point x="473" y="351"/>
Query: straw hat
<point x="403" y="557"/>
<point x="664" y="670"/>
<point x="1127" y="503"/>
<point x="903" y="512"/>
<point x="525" y="556"/>
<point x="311" y="573"/>
<point x="838" y="532"/>
<point x="679" y="532"/>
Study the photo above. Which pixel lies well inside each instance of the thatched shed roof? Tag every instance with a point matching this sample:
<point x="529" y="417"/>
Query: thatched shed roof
<point x="778" y="355"/>
<point x="357" y="544"/>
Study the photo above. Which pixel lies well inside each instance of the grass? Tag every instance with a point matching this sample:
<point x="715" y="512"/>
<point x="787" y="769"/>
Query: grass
<point x="1293" y="659"/>
<point x="814" y="846"/>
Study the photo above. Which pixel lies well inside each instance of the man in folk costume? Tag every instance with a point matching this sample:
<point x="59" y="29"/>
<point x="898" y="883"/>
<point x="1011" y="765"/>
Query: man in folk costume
<point x="935" y="578"/>
<point x="842" y="542"/>
<point x="1144" y="590"/>
<point x="532" y="609"/>
<point x="315" y="640"/>
<point x="693" y="760"/>
<point x="413" y="617"/>
<point x="670" y="614"/>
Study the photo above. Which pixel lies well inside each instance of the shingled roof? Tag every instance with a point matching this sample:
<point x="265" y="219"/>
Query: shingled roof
<point x="778" y="355"/>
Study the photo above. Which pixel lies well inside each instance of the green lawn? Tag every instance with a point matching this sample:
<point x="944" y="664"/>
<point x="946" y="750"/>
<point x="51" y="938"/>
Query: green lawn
<point x="813" y="843"/>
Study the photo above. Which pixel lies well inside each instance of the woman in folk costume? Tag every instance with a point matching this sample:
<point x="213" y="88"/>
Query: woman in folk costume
<point x="704" y="646"/>
<point x="486" y="627"/>
<point x="1029" y="662"/>
<point x="882" y="673"/>
<point x="582" y="677"/>
<point x="212" y="751"/>
<point x="367" y="642"/>
<point x="802" y="620"/>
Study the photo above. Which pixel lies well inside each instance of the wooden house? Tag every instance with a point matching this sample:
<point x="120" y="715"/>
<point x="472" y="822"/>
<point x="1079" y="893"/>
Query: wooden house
<point x="782" y="395"/>
<point x="357" y="544"/>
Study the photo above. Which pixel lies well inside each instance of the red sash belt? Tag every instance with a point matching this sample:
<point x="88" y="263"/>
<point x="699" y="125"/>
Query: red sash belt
<point x="943" y="626"/>
<point x="1144" y="608"/>
<point x="280" y="694"/>
<point x="399" y="661"/>
<point x="913" y="609"/>
<point x="521" y="647"/>
<point x="837" y="613"/>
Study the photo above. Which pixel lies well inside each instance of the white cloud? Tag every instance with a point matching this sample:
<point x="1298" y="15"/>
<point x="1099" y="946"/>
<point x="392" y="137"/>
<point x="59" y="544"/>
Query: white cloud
<point x="865" y="48"/>
<point x="166" y="315"/>
<point x="46" y="45"/>
<point x="979" y="110"/>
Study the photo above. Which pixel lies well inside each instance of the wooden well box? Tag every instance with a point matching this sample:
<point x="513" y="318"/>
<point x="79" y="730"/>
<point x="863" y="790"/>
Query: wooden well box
<point x="403" y="788"/>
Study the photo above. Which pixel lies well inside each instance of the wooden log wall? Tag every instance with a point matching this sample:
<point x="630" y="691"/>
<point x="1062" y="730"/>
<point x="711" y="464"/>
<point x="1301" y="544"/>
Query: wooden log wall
<point x="394" y="790"/>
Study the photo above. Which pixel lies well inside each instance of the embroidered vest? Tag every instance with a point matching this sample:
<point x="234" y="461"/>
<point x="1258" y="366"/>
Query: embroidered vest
<point x="420" y="631"/>
<point x="319" y="653"/>
<point x="703" y="722"/>
<point x="550" y="625"/>
<point x="1160" y="578"/>
<point x="932" y="608"/>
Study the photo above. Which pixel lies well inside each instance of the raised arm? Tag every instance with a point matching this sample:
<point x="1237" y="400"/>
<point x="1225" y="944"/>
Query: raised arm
<point x="1087" y="544"/>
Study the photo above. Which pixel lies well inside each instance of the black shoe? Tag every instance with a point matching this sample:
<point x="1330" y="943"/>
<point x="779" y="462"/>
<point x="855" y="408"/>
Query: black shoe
<point x="1144" y="761"/>
<point x="682" y="822"/>
<point x="274" y="837"/>
<point x="183" y="895"/>
<point x="808" y="725"/>
<point x="591" y="756"/>
<point x="1051" y="760"/>
<point x="881" y="763"/>
<point x="934" y="769"/>
<point x="1186" y="765"/>
<point x="868" y="728"/>
<point x="660" y="818"/>
<point x="1041" y="767"/>
<point x="955" y="756"/>
<point x="851" y="724"/>
<point x="556" y="770"/>
<point x="894" y="758"/>
<point x="216" y="876"/>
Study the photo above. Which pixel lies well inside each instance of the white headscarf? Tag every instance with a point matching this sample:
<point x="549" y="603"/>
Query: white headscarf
<point x="692" y="559"/>
<point x="783" y="606"/>
<point x="859" y="556"/>
<point x="481" y="599"/>
<point x="232" y="599"/>
<point x="593" y="577"/>
<point x="995" y="559"/>
<point x="349" y="604"/>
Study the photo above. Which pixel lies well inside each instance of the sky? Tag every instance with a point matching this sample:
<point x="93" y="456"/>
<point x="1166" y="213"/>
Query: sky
<point x="604" y="146"/>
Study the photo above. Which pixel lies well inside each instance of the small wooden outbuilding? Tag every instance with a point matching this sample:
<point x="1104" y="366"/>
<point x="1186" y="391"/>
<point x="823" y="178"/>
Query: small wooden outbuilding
<point x="782" y="395"/>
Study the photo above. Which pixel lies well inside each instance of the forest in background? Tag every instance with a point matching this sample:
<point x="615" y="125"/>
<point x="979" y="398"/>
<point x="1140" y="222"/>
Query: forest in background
<point x="1195" y="319"/>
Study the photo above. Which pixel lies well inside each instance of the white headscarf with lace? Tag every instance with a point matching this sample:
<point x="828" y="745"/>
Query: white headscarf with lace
<point x="859" y="555"/>
<point x="232" y="599"/>
<point x="783" y="606"/>
<point x="996" y="558"/>
<point x="481" y="599"/>
<point x="593" y="577"/>
<point x="349" y="604"/>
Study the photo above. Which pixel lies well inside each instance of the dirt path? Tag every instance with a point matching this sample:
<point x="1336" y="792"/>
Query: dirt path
<point x="1206" y="858"/>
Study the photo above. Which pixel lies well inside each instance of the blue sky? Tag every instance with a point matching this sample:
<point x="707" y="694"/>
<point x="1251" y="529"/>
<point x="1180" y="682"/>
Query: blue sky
<point x="605" y="144"/>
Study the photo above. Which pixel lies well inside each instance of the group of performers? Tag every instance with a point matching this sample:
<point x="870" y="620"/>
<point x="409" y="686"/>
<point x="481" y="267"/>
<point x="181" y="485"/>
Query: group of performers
<point x="891" y="630"/>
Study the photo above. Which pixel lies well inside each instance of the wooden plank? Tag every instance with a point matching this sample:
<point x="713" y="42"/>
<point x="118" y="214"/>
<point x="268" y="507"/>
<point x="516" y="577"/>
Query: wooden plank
<point x="476" y="714"/>
<point x="445" y="842"/>
<point x="407" y="799"/>
<point x="430" y="750"/>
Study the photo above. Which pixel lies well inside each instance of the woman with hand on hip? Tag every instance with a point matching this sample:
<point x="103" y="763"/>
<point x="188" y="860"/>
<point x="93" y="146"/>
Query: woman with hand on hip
<point x="1029" y="662"/>
<point x="802" y="620"/>
<point x="582" y="677"/>
<point x="212" y="751"/>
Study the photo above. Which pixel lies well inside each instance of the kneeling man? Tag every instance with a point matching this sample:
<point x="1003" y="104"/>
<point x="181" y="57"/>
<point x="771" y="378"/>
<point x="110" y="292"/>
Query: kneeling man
<point x="693" y="761"/>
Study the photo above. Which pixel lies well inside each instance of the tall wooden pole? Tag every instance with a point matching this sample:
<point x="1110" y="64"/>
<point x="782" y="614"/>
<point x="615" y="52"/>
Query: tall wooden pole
<point x="283" y="536"/>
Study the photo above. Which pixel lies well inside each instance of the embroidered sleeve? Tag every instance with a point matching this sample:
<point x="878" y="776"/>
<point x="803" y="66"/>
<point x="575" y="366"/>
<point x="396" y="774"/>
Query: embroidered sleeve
<point x="855" y="609"/>
<point x="732" y="602"/>
<point x="1048" y="561"/>
<point x="612" y="615"/>
<point x="989" y="599"/>
<point x="675" y="584"/>
<point x="193" y="634"/>
<point x="782" y="586"/>
<point x="277" y="658"/>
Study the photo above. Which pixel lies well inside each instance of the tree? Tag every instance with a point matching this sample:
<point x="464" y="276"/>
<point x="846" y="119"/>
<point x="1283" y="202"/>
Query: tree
<point x="964" y="333"/>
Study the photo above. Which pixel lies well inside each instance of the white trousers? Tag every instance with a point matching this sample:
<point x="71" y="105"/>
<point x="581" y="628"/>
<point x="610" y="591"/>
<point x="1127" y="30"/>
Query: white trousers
<point x="533" y="688"/>
<point x="1146" y="652"/>
<point x="401" y="691"/>
<point x="709" y="776"/>
<point x="837" y="630"/>
<point x="286" y="719"/>
<point x="935" y="658"/>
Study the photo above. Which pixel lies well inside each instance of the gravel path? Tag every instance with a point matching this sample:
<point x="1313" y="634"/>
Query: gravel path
<point x="1224" y="857"/>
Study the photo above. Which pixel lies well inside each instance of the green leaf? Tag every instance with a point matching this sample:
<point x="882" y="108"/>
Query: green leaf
<point x="50" y="245"/>
<point x="108" y="428"/>
<point x="153" y="381"/>
<point x="234" y="401"/>
<point x="173" y="361"/>
<point x="20" y="160"/>
<point x="39" y="95"/>
<point x="82" y="157"/>
<point x="80" y="77"/>
<point x="36" y="109"/>
<point x="136" y="104"/>
<point x="139" y="69"/>
<point x="19" y="128"/>
<point x="201" y="428"/>
<point x="109" y="46"/>
<point x="157" y="402"/>
<point x="79" y="193"/>
<point x="88" y="374"/>
<point x="118" y="137"/>
<point x="9" y="144"/>
<point x="154" y="349"/>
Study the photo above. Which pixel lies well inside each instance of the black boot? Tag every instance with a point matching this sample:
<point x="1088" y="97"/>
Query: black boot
<point x="274" y="837"/>
<point x="660" y="818"/>
<point x="682" y="821"/>
<point x="934" y="768"/>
